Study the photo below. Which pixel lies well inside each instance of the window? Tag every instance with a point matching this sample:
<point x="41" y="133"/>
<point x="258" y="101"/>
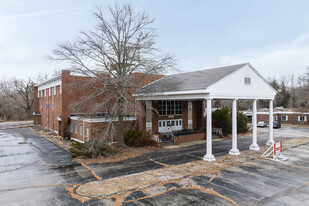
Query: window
<point x="247" y="80"/>
<point x="71" y="129"/>
<point x="302" y="118"/>
<point x="81" y="130"/>
<point x="170" y="107"/>
<point x="76" y="130"/>
<point x="284" y="117"/>
<point x="87" y="132"/>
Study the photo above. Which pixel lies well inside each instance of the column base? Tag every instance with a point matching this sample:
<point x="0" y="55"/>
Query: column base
<point x="270" y="142"/>
<point x="234" y="152"/>
<point x="254" y="147"/>
<point x="209" y="158"/>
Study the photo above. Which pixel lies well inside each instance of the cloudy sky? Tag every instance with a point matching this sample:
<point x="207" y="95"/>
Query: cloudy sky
<point x="272" y="35"/>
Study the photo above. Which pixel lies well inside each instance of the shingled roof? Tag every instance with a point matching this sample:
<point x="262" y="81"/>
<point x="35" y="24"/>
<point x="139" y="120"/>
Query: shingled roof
<point x="190" y="80"/>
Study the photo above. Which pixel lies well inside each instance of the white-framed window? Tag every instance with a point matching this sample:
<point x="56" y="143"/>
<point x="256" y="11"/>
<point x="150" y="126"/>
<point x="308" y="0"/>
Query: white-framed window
<point x="76" y="130"/>
<point x="87" y="132"/>
<point x="55" y="91"/>
<point x="302" y="118"/>
<point x="81" y="130"/>
<point x="284" y="118"/>
<point x="247" y="80"/>
<point x="170" y="107"/>
<point x="44" y="92"/>
<point x="71" y="129"/>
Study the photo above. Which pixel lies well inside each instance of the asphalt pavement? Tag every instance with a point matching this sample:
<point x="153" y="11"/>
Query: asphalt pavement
<point x="34" y="171"/>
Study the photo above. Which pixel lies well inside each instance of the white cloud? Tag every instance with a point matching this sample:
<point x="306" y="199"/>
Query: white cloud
<point x="292" y="59"/>
<point x="39" y="13"/>
<point x="274" y="63"/>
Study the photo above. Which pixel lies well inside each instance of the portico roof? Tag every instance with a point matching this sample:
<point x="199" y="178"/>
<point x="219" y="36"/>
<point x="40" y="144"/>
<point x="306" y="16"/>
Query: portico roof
<point x="223" y="82"/>
<point x="190" y="80"/>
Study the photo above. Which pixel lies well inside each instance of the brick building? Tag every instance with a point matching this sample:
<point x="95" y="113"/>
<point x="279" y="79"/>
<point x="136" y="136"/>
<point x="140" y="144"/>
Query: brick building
<point x="286" y="117"/>
<point x="53" y="99"/>
<point x="176" y="104"/>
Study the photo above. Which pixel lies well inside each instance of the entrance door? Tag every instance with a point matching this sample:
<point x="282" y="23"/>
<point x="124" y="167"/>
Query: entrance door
<point x="169" y="125"/>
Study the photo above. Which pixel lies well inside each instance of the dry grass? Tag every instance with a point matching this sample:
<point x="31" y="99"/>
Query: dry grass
<point x="121" y="154"/>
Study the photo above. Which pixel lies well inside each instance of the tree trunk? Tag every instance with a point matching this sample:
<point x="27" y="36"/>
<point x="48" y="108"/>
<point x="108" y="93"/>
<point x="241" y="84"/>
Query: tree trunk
<point x="120" y="123"/>
<point x="120" y="130"/>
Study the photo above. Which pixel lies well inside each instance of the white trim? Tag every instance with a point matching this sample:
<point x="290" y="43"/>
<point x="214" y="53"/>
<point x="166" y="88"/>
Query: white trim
<point x="48" y="81"/>
<point x="49" y="84"/>
<point x="287" y="113"/>
<point x="101" y="119"/>
<point x="201" y="96"/>
<point x="199" y="91"/>
<point x="77" y="140"/>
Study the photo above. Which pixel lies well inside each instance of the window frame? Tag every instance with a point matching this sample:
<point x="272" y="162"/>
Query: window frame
<point x="286" y="118"/>
<point x="170" y="107"/>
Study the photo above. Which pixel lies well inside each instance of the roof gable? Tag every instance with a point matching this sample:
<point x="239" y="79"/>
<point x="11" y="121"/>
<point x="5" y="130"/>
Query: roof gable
<point x="190" y="81"/>
<point x="234" y="85"/>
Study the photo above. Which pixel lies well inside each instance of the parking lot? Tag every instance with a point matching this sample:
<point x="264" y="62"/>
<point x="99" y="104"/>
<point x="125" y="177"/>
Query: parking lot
<point x="35" y="171"/>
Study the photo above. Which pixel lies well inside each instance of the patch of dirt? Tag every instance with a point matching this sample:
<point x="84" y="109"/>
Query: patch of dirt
<point x="121" y="154"/>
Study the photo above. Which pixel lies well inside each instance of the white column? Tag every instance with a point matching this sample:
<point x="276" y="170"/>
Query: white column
<point x="190" y="115"/>
<point x="234" y="150"/>
<point x="271" y="120"/>
<point x="149" y="116"/>
<point x="209" y="156"/>
<point x="254" y="145"/>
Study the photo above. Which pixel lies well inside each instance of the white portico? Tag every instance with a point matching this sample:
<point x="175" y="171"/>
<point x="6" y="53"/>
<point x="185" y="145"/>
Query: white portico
<point x="233" y="83"/>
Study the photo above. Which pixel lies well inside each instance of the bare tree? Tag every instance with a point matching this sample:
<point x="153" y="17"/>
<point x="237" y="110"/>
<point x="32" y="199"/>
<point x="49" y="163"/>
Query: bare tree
<point x="17" y="98"/>
<point x="121" y="45"/>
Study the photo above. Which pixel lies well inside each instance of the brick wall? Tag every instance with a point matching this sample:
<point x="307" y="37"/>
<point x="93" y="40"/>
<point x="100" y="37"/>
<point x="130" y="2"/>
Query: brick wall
<point x="191" y="137"/>
<point x="73" y="90"/>
<point x="292" y="118"/>
<point x="97" y="128"/>
<point x="197" y="115"/>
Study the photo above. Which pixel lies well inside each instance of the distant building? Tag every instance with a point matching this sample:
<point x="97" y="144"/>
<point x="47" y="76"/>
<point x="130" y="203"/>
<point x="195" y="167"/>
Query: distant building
<point x="286" y="117"/>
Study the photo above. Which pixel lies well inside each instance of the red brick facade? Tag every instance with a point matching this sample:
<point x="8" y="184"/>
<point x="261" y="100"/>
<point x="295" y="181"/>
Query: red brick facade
<point x="53" y="102"/>
<point x="198" y="119"/>
<point x="286" y="117"/>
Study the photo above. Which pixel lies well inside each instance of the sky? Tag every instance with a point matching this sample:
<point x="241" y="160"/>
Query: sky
<point x="272" y="35"/>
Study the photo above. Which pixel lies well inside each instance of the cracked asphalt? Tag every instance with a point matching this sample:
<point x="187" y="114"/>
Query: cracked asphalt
<point x="34" y="171"/>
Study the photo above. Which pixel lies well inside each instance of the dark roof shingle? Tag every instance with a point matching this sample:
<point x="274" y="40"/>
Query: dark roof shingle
<point x="190" y="80"/>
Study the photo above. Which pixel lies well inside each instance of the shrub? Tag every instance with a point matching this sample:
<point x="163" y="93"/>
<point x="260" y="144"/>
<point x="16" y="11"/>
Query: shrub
<point x="91" y="149"/>
<point x="221" y="118"/>
<point x="136" y="138"/>
<point x="242" y="121"/>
